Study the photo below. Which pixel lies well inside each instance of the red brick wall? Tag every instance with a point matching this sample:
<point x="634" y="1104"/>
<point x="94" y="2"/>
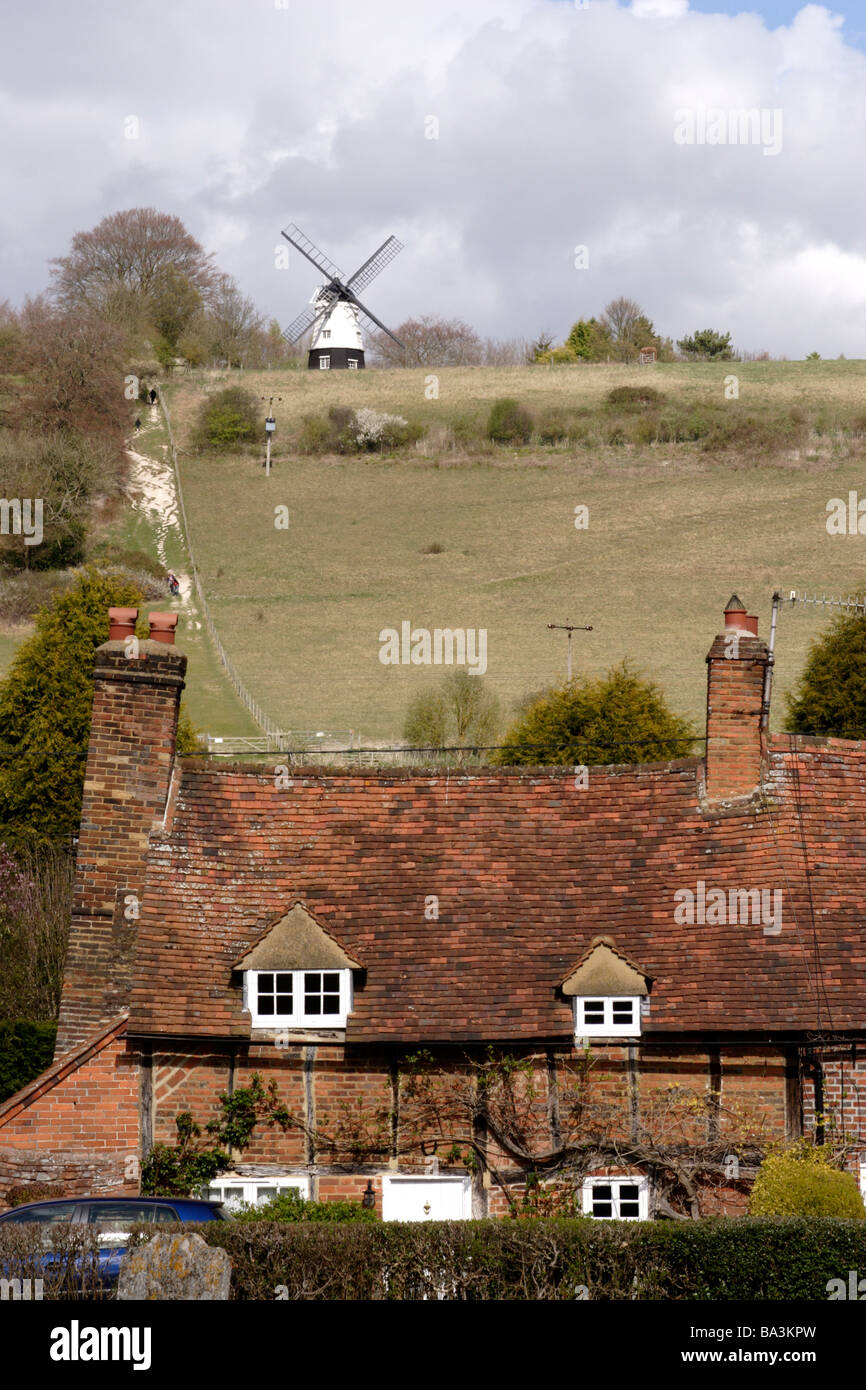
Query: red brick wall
<point x="83" y="1133"/>
<point x="734" y="697"/>
<point x="129" y="763"/>
<point x="844" y="1105"/>
<point x="751" y="1083"/>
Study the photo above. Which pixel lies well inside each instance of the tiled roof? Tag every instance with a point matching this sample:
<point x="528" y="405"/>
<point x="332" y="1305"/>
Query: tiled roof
<point x="528" y="869"/>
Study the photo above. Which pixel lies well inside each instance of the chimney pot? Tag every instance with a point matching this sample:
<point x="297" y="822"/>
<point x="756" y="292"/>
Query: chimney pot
<point x="750" y="623"/>
<point x="162" y="626"/>
<point x="735" y="611"/>
<point x="121" y="623"/>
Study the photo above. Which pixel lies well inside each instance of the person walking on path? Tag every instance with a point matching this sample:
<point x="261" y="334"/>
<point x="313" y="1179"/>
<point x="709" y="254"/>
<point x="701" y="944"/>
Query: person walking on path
<point x="152" y="396"/>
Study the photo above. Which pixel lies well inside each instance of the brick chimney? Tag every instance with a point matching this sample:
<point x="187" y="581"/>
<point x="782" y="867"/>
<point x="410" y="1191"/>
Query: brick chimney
<point x="736" y="665"/>
<point x="136" y="696"/>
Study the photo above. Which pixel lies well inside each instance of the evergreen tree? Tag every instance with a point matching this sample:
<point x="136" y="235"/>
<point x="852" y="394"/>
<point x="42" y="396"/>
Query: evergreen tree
<point x="619" y="718"/>
<point x="830" y="699"/>
<point x="45" y="706"/>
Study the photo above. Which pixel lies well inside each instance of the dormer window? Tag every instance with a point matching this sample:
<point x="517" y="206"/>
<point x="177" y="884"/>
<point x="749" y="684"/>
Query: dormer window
<point x="610" y="993"/>
<point x="296" y="976"/>
<point x="298" y="998"/>
<point x="607" y="1016"/>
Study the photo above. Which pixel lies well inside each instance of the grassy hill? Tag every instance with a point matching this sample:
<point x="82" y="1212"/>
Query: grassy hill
<point x="674" y="529"/>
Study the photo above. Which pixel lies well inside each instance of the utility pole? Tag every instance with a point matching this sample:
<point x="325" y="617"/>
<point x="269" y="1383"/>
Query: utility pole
<point x="270" y="426"/>
<point x="570" y="628"/>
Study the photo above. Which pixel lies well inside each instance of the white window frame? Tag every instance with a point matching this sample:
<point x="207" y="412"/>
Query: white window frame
<point x="214" y="1190"/>
<point x="352" y="363"/>
<point x="298" y="1018"/>
<point x="324" y="362"/>
<point x="326" y="332"/>
<point x="605" y="1027"/>
<point x="638" y="1180"/>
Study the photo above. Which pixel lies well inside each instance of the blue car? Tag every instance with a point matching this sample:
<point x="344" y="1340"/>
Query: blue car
<point x="113" y="1218"/>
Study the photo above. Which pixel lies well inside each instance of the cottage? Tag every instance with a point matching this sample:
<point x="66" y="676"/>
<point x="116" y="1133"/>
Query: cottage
<point x="460" y="983"/>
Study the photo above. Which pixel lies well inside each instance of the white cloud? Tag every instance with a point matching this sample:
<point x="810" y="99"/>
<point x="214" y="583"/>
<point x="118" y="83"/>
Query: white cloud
<point x="556" y="128"/>
<point x="659" y="9"/>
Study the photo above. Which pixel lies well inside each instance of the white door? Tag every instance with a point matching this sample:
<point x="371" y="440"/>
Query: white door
<point x="426" y="1198"/>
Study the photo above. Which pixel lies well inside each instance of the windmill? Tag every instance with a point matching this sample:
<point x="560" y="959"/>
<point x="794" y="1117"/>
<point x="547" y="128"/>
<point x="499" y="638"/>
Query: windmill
<point x="335" y="313"/>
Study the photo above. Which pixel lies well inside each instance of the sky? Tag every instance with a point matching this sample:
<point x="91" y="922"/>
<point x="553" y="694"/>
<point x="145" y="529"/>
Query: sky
<point x="537" y="158"/>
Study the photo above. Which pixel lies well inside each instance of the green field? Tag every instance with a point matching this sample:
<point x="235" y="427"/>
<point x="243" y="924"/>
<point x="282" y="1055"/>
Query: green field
<point x="673" y="531"/>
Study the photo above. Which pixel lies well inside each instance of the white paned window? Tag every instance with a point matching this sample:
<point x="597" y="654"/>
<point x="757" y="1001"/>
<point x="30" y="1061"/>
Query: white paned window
<point x="324" y="362"/>
<point x="235" y="1192"/>
<point x="326" y="332"/>
<point x="607" y="1016"/>
<point x="352" y="363"/>
<point x="616" y="1199"/>
<point x="298" y="998"/>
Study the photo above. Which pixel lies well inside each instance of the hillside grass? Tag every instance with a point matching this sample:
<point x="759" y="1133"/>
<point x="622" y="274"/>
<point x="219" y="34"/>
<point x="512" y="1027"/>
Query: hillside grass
<point x="674" y="530"/>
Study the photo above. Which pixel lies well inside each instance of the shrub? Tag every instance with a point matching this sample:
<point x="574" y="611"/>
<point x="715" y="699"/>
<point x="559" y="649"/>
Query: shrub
<point x="345" y="431"/>
<point x="467" y="431"/>
<point x="553" y="427"/>
<point x="641" y="396"/>
<point x="509" y="422"/>
<point x="63" y="550"/>
<point x="228" y="419"/>
<point x="291" y="1206"/>
<point x="315" y="435"/>
<point x="374" y="429"/>
<point x="803" y="1182"/>
<point x="23" y="1193"/>
<point x="24" y="593"/>
<point x="616" y="719"/>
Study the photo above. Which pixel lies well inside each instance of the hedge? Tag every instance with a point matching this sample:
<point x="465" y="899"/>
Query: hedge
<point x="26" y="1049"/>
<point x="719" y="1259"/>
<point x="741" y="1259"/>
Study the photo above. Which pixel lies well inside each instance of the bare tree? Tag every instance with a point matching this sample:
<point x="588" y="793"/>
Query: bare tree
<point x="63" y="471"/>
<point x="232" y="323"/>
<point x="113" y="269"/>
<point x="430" y="342"/>
<point x="35" y="909"/>
<point x="492" y="1113"/>
<point x="506" y="352"/>
<point x="10" y="337"/>
<point x="74" y="365"/>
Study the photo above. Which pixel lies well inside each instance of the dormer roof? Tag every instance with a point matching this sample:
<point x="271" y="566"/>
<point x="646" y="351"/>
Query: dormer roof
<point x="296" y="941"/>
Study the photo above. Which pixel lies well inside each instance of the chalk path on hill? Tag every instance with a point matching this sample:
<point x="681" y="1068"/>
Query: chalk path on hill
<point x="151" y="490"/>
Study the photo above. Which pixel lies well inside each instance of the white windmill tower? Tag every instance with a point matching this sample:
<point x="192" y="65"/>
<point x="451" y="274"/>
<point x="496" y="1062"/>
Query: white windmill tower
<point x="335" y="312"/>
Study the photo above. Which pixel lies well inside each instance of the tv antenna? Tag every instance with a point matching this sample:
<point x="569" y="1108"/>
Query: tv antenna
<point x="848" y="602"/>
